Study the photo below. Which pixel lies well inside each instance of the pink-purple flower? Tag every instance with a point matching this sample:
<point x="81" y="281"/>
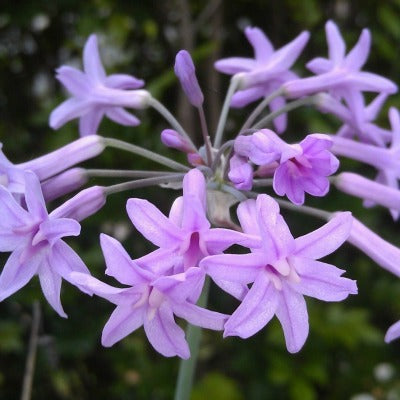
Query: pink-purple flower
<point x="95" y="95"/>
<point x="35" y="239"/>
<point x="282" y="271"/>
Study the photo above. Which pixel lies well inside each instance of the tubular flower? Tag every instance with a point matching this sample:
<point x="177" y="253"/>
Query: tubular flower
<point x="282" y="271"/>
<point x="96" y="95"/>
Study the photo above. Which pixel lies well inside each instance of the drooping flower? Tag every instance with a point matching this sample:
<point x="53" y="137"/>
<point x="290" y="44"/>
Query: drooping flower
<point x="96" y="95"/>
<point x="152" y="299"/>
<point x="341" y="75"/>
<point x="266" y="72"/>
<point x="282" y="271"/>
<point x="35" y="239"/>
<point x="186" y="73"/>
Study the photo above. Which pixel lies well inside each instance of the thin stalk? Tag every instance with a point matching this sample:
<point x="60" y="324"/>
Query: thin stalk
<point x="206" y="136"/>
<point x="263" y="182"/>
<point x="259" y="109"/>
<point x="31" y="357"/>
<point x="140" y="183"/>
<point x="119" y="173"/>
<point x="225" y="109"/>
<point x="288" y="107"/>
<point x="187" y="368"/>
<point x="119" y="144"/>
<point x="171" y="119"/>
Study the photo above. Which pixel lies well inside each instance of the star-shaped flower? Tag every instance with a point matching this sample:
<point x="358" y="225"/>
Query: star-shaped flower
<point x="282" y="271"/>
<point x="341" y="75"/>
<point x="266" y="72"/>
<point x="96" y="95"/>
<point x="34" y="238"/>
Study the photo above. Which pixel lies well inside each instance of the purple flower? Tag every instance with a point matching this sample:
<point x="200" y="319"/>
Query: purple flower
<point x="393" y="332"/>
<point x="358" y="121"/>
<point x="340" y="74"/>
<point x="151" y="300"/>
<point x="11" y="177"/>
<point x="240" y="172"/>
<point x="34" y="238"/>
<point x="302" y="167"/>
<point x="282" y="271"/>
<point x="186" y="73"/>
<point x="266" y="72"/>
<point x="186" y="236"/>
<point x="95" y="94"/>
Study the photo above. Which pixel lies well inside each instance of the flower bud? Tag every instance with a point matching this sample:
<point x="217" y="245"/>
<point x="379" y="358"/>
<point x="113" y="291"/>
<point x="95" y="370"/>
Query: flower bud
<point x="173" y="139"/>
<point x="185" y="71"/>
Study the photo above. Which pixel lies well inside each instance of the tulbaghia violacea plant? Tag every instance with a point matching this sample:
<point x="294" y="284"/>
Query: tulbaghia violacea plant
<point x="251" y="171"/>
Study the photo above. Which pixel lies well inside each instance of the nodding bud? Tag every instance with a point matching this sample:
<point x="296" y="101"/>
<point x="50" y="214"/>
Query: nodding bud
<point x="82" y="205"/>
<point x="64" y="183"/>
<point x="173" y="139"/>
<point x="186" y="73"/>
<point x="195" y="159"/>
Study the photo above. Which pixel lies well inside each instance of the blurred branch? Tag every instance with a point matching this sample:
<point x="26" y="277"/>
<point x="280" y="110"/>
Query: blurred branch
<point x="31" y="357"/>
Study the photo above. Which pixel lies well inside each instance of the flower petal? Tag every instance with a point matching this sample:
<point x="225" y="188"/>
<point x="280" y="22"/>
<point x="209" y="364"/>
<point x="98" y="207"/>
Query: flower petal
<point x="260" y="43"/>
<point x="91" y="60"/>
<point x="393" y="332"/>
<point x="89" y="123"/>
<point x="293" y="316"/>
<point x="234" y="65"/>
<point x="255" y="311"/>
<point x="67" y="111"/>
<point x="122" y="322"/>
<point x="123" y="81"/>
<point x="164" y="334"/>
<point x="358" y="55"/>
<point x="337" y="47"/>
<point x="122" y="117"/>
<point x="34" y="196"/>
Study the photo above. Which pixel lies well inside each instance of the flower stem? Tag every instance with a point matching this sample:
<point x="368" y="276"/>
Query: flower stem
<point x="258" y="110"/>
<point x="140" y="183"/>
<point x="119" y="173"/>
<point x="187" y="368"/>
<point x="220" y="152"/>
<point x="289" y="107"/>
<point x="119" y="144"/>
<point x="206" y="136"/>
<point x="225" y="108"/>
<point x="171" y="119"/>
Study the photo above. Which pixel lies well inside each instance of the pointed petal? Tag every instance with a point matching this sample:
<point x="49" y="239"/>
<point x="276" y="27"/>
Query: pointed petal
<point x="123" y="81"/>
<point x="371" y="82"/>
<point x="234" y="65"/>
<point x="237" y="290"/>
<point x="122" y="322"/>
<point x="293" y="316"/>
<point x="68" y="110"/>
<point x="194" y="202"/>
<point x="89" y="123"/>
<point x="247" y="214"/>
<point x="179" y="287"/>
<point x="359" y="53"/>
<point x="91" y="60"/>
<point x="15" y="274"/>
<point x="280" y="122"/>
<point x="241" y="268"/>
<point x="165" y="335"/>
<point x="326" y="239"/>
<point x="321" y="281"/>
<point x="336" y="45"/>
<point x="393" y="332"/>
<point x="244" y="97"/>
<point x="117" y="296"/>
<point x="394" y="118"/>
<point x="176" y="212"/>
<point x="50" y="282"/>
<point x="53" y="230"/>
<point x="122" y="117"/>
<point x="255" y="311"/>
<point x="34" y="196"/>
<point x="119" y="264"/>
<point x="260" y="43"/>
<point x="76" y="82"/>
<point x="199" y="316"/>
<point x="152" y="224"/>
<point x="159" y="261"/>
<point x="319" y="65"/>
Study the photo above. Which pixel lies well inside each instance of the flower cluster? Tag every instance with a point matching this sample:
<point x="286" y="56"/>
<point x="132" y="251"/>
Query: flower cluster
<point x="195" y="243"/>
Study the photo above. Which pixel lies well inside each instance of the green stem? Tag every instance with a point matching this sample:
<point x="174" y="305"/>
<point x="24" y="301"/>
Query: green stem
<point x="258" y="110"/>
<point x="225" y="109"/>
<point x="187" y="368"/>
<point x="289" y="107"/>
<point x="119" y="173"/>
<point x="119" y="144"/>
<point x="263" y="182"/>
<point x="171" y="119"/>
<point x="220" y="152"/>
<point x="206" y="136"/>
<point x="140" y="183"/>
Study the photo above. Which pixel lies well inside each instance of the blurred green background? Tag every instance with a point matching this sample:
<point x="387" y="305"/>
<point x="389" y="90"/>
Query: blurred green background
<point x="344" y="357"/>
